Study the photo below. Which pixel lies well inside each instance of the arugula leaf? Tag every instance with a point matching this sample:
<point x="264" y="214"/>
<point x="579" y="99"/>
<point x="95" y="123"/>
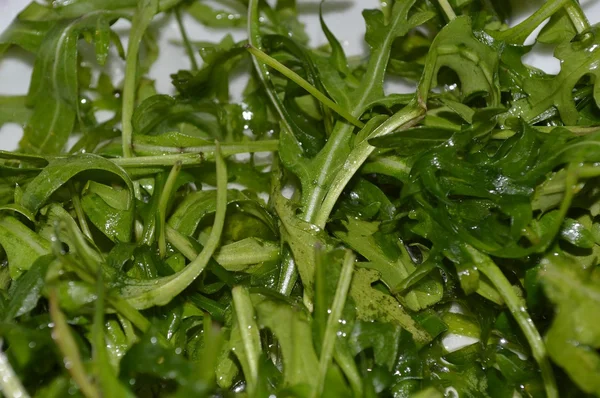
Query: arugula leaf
<point x="352" y="261"/>
<point x="22" y="245"/>
<point x="53" y="92"/>
<point x="575" y="293"/>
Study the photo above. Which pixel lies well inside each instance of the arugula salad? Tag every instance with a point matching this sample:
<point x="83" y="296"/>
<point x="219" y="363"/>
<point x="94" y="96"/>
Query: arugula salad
<point x="323" y="237"/>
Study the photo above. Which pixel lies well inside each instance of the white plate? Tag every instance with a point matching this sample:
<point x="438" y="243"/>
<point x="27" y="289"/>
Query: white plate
<point x="344" y="20"/>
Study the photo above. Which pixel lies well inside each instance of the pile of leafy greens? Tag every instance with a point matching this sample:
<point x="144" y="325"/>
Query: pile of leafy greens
<point x="323" y="237"/>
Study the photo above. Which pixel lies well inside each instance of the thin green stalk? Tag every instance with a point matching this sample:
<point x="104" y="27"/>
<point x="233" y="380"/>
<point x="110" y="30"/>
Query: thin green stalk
<point x="288" y="275"/>
<point x="517" y="307"/>
<point x="10" y="384"/>
<point x="293" y="76"/>
<point x="244" y="312"/>
<point x="181" y="243"/>
<point x="68" y="347"/>
<point x="577" y="17"/>
<point x="255" y="40"/>
<point x="79" y="211"/>
<point x="447" y="8"/>
<point x="128" y="329"/>
<point x="129" y="312"/>
<point x="226" y="148"/>
<point x="160" y="160"/>
<point x="142" y="294"/>
<point x="186" y="41"/>
<point x="405" y="118"/>
<point x="345" y="361"/>
<point x="165" y="197"/>
<point x="142" y="18"/>
<point x="333" y="321"/>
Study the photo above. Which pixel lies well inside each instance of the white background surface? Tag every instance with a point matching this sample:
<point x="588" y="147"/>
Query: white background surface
<point x="343" y="18"/>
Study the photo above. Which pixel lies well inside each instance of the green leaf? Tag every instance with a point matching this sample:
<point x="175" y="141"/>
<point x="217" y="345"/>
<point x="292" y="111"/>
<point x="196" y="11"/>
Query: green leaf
<point x="54" y="92"/>
<point x="26" y="291"/>
<point x="22" y="246"/>
<point x="574" y="232"/>
<point x="413" y="140"/>
<point x="374" y="305"/>
<point x="160" y="113"/>
<point x="13" y="110"/>
<point x="209" y="16"/>
<point x="151" y="357"/>
<point x="28" y="35"/>
<point x="291" y="326"/>
<point x="519" y="33"/>
<point x="383" y="338"/>
<point x="107" y="208"/>
<point x="573" y="338"/>
<point x="558" y="30"/>
<point x="238" y="256"/>
<point x="391" y="260"/>
<point x="61" y="170"/>
<point x="546" y="92"/>
<point x="187" y="216"/>
<point x="105" y="372"/>
<point x="474" y="61"/>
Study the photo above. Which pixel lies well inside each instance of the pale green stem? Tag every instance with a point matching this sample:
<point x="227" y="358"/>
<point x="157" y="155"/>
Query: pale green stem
<point x="447" y="9"/>
<point x="244" y="312"/>
<point x="405" y="118"/>
<point x="9" y="382"/>
<point x="163" y="202"/>
<point x="226" y="148"/>
<point x="333" y="321"/>
<point x="129" y="312"/>
<point x="577" y="16"/>
<point x="186" y="41"/>
<point x="160" y="160"/>
<point x="142" y="18"/>
<point x="61" y="333"/>
<point x="79" y="211"/>
<point x="296" y="78"/>
<point x="142" y="294"/>
<point x="517" y="307"/>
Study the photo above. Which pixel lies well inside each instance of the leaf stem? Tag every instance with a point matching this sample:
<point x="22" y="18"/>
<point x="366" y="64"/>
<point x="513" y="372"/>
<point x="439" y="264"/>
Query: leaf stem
<point x="244" y="312"/>
<point x="9" y="382"/>
<point x="79" y="211"/>
<point x="129" y="312"/>
<point x="160" y="160"/>
<point x="333" y="320"/>
<point x="68" y="347"/>
<point x="226" y="148"/>
<point x="293" y="76"/>
<point x="142" y="18"/>
<point x="450" y="14"/>
<point x="288" y="274"/>
<point x="163" y="203"/>
<point x="142" y="294"/>
<point x="405" y="118"/>
<point x="186" y="40"/>
<point x="518" y="310"/>
<point x="577" y="16"/>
